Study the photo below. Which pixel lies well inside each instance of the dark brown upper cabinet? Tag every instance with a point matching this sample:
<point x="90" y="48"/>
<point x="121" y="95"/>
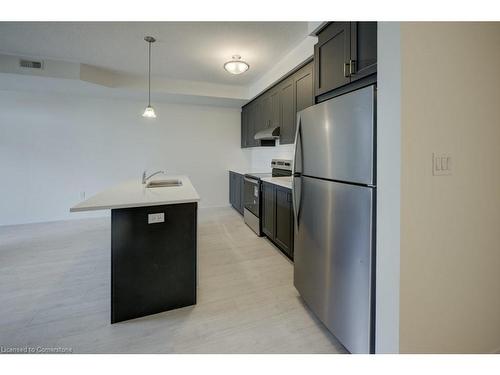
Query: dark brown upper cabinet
<point x="304" y="88"/>
<point x="244" y="126"/>
<point x="363" y="49"/>
<point x="331" y="57"/>
<point x="270" y="108"/>
<point x="261" y="115"/>
<point x="274" y="114"/>
<point x="345" y="52"/>
<point x="296" y="94"/>
<point x="278" y="106"/>
<point x="265" y="114"/>
<point x="287" y="111"/>
<point x="252" y="123"/>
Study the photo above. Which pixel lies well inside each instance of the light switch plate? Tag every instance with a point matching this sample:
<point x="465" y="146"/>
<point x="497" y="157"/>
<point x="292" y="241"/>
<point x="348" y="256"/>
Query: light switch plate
<point x="441" y="164"/>
<point x="156" y="218"/>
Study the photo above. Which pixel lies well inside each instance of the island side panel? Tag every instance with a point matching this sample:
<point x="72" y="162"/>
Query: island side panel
<point x="153" y="266"/>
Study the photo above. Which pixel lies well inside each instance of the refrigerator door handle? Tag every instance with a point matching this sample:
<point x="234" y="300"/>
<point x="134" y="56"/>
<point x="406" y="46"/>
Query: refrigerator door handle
<point x="296" y="172"/>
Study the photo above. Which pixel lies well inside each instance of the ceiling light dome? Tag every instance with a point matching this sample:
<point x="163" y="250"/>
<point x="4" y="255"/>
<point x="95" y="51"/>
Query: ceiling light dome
<point x="236" y="65"/>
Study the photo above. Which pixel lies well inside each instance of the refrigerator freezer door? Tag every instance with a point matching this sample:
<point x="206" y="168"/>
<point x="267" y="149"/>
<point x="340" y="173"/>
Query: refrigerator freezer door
<point x="338" y="138"/>
<point x="333" y="257"/>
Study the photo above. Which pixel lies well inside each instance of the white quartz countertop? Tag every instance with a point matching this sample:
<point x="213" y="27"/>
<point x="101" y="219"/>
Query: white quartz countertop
<point x="281" y="181"/>
<point x="134" y="194"/>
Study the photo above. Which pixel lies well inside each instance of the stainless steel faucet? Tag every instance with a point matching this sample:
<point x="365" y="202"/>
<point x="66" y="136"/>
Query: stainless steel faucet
<point x="145" y="179"/>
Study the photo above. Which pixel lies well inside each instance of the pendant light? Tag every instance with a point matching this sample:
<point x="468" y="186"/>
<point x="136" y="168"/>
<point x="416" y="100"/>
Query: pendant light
<point x="149" y="111"/>
<point x="236" y="65"/>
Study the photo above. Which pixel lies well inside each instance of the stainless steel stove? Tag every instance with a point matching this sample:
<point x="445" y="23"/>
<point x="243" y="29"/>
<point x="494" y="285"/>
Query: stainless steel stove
<point x="252" y="185"/>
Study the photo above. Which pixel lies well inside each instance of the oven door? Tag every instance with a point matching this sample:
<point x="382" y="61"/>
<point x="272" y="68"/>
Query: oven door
<point x="252" y="196"/>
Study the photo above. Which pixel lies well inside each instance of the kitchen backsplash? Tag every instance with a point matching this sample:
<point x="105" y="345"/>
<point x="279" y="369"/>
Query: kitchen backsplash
<point x="260" y="157"/>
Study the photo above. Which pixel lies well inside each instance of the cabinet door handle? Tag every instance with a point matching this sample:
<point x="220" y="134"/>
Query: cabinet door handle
<point x="352" y="67"/>
<point x="346" y="70"/>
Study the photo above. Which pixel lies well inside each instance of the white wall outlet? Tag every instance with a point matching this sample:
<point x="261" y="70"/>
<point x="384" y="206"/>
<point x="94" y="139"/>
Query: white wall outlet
<point x="156" y="218"/>
<point x="441" y="164"/>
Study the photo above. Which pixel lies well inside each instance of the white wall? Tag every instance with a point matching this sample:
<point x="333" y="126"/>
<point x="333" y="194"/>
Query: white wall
<point x="450" y="237"/>
<point x="53" y="147"/>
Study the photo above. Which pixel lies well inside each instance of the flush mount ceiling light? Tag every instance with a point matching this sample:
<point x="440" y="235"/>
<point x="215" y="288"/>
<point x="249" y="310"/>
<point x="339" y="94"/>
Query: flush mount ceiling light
<point x="236" y="65"/>
<point x="149" y="111"/>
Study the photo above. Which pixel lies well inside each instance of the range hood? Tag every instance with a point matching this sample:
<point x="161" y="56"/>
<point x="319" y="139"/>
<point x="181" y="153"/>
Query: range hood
<point x="268" y="134"/>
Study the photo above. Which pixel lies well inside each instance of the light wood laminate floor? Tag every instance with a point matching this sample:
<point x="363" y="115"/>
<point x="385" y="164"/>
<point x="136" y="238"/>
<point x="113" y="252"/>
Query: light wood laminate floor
<point x="55" y="292"/>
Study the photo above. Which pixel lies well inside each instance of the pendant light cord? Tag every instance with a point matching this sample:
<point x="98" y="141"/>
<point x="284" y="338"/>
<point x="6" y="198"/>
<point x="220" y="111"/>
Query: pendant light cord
<point x="149" y="76"/>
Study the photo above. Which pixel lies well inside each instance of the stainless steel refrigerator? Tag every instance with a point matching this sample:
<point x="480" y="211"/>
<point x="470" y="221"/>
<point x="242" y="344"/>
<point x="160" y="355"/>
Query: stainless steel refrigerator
<point x="334" y="207"/>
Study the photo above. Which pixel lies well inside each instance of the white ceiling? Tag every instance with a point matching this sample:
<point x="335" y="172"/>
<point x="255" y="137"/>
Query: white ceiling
<point x="192" y="51"/>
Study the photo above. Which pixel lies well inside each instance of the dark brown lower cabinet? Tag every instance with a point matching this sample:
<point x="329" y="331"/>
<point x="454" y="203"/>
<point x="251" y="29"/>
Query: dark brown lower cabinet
<point x="236" y="192"/>
<point x="153" y="265"/>
<point x="268" y="209"/>
<point x="284" y="220"/>
<point x="277" y="216"/>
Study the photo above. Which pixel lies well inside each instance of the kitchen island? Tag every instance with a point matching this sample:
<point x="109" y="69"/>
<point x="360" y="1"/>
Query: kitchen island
<point x="153" y="245"/>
